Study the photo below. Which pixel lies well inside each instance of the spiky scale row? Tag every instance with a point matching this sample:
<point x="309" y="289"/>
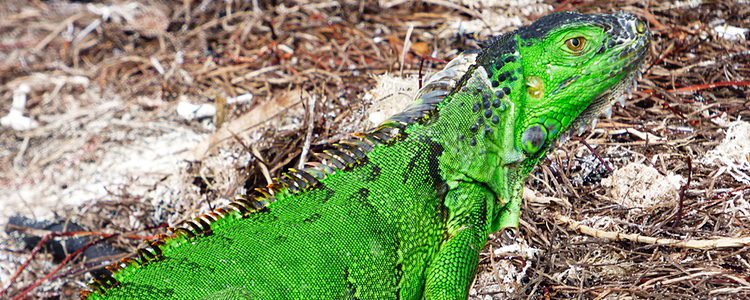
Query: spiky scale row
<point x="344" y="155"/>
<point x="144" y="255"/>
<point x="200" y="226"/>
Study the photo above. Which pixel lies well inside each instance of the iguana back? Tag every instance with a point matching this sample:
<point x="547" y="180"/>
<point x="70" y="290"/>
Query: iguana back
<point x="403" y="213"/>
<point x="328" y="241"/>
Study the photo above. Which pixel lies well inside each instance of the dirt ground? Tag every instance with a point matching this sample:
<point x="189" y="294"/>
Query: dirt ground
<point x="120" y="118"/>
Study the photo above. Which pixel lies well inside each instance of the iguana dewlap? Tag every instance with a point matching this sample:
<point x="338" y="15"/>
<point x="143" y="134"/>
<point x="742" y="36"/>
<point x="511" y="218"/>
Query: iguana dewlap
<point x="404" y="212"/>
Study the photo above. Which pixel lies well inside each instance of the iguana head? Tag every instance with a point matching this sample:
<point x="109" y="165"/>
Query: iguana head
<point x="540" y="81"/>
<point x="573" y="65"/>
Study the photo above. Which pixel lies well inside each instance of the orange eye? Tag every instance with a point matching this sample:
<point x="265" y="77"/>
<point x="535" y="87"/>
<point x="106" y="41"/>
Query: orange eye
<point x="576" y="44"/>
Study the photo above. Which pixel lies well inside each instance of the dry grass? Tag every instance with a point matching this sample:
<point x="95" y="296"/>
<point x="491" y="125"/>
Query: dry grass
<point x="140" y="65"/>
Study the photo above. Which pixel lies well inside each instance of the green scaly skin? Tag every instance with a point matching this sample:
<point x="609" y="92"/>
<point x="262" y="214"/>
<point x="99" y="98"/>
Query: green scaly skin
<point x="405" y="213"/>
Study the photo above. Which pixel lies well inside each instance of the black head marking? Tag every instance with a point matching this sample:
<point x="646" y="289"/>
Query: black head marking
<point x="494" y="49"/>
<point x="612" y="24"/>
<point x="362" y="197"/>
<point x="499" y="65"/>
<point x="504" y="76"/>
<point x="544" y="25"/>
<point x="496" y="103"/>
<point x="499" y="94"/>
<point x="473" y="128"/>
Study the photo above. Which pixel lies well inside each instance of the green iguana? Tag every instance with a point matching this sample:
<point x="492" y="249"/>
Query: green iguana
<point x="403" y="212"/>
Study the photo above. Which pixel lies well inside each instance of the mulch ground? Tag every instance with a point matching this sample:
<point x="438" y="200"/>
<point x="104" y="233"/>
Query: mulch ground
<point x="149" y="56"/>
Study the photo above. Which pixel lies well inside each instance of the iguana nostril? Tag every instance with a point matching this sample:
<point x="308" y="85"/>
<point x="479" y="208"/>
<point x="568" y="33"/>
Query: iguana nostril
<point x="533" y="138"/>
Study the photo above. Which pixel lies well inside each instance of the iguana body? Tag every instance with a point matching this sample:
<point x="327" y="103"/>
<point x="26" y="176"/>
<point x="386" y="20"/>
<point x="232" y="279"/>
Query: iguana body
<point x="404" y="213"/>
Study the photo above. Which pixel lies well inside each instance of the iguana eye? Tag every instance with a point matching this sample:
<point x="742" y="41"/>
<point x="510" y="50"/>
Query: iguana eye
<point x="576" y="44"/>
<point x="640" y="27"/>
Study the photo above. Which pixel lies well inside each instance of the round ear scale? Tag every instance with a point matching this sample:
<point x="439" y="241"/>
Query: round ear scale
<point x="533" y="138"/>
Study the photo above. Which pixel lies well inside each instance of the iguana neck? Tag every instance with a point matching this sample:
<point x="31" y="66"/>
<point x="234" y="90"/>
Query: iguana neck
<point x="479" y="136"/>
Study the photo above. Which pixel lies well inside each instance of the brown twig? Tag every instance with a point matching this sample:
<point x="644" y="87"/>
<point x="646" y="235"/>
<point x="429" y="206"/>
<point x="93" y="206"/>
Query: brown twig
<point x="596" y="154"/>
<point x="717" y="243"/>
<point x="422" y="59"/>
<point x="735" y="190"/>
<point x="698" y="87"/>
<point x="51" y="235"/>
<point x="25" y="264"/>
<point x="683" y="189"/>
<point x="68" y="258"/>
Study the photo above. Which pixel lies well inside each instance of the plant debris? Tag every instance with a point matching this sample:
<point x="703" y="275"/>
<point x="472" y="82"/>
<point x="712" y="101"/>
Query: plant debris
<point x="98" y="140"/>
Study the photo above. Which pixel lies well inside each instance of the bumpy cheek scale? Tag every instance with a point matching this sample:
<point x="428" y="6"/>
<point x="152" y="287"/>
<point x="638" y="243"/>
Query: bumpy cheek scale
<point x="535" y="87"/>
